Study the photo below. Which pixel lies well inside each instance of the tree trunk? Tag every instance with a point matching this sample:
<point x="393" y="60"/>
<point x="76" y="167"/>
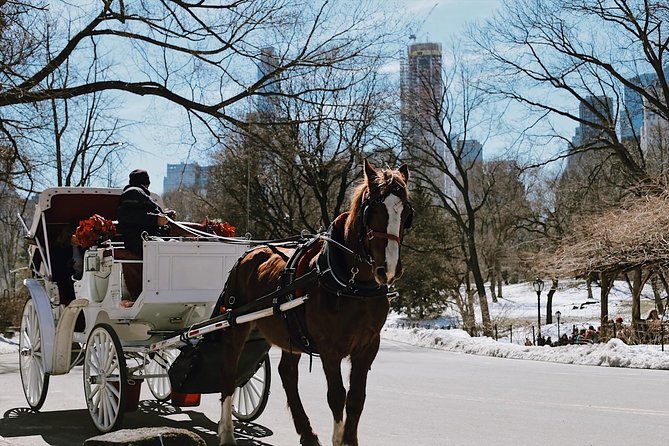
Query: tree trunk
<point x="657" y="292"/>
<point x="606" y="283"/>
<point x="498" y="277"/>
<point x="58" y="148"/>
<point x="638" y="281"/>
<point x="588" y="283"/>
<point x="470" y="322"/>
<point x="549" y="301"/>
<point x="493" y="295"/>
<point x="636" y="295"/>
<point x="480" y="285"/>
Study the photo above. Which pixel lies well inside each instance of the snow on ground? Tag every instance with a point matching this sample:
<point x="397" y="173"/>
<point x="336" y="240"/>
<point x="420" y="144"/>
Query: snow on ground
<point x="515" y="315"/>
<point x="8" y="345"/>
<point x="615" y="353"/>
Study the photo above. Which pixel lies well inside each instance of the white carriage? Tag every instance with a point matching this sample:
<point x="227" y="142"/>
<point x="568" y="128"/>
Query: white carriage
<point x="70" y="320"/>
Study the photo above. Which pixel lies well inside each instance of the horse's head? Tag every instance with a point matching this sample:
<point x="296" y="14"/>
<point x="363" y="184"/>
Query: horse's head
<point x="381" y="213"/>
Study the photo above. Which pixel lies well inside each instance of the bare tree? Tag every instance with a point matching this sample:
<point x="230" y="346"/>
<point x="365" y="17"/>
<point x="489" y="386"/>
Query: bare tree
<point x="600" y="55"/>
<point x="444" y="130"/>
<point x="501" y="221"/>
<point x="199" y="56"/>
<point x="295" y="165"/>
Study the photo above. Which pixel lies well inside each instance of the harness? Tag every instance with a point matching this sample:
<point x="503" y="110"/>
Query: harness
<point x="321" y="258"/>
<point x="332" y="276"/>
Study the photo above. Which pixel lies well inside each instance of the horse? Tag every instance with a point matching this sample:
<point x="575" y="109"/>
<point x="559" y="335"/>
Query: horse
<point x="346" y="308"/>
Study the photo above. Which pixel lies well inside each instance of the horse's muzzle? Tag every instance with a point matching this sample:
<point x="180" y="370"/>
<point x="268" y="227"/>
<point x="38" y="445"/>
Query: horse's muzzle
<point x="382" y="277"/>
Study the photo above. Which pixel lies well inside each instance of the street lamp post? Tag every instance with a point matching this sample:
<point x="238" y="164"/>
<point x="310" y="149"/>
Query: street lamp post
<point x="557" y="315"/>
<point x="538" y="285"/>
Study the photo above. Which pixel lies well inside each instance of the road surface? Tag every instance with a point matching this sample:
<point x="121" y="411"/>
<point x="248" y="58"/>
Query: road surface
<point x="415" y="396"/>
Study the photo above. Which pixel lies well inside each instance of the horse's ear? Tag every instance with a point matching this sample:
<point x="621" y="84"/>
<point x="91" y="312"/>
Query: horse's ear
<point x="404" y="171"/>
<point x="370" y="173"/>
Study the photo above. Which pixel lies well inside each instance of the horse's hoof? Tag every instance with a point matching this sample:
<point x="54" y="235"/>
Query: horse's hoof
<point x="310" y="442"/>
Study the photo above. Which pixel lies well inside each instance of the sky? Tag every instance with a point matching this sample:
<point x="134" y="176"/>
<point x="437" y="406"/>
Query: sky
<point x="155" y="146"/>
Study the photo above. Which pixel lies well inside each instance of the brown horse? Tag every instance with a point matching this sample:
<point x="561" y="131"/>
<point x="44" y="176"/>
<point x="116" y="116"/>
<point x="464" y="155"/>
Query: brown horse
<point x="347" y="306"/>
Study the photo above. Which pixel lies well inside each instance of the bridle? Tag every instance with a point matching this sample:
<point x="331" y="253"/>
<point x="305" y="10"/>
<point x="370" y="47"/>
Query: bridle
<point x="370" y="233"/>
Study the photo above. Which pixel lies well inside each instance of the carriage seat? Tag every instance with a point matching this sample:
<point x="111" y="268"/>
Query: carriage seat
<point x="132" y="272"/>
<point x="120" y="254"/>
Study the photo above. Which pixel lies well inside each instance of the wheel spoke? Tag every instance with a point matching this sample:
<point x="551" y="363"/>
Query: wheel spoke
<point x="250" y="386"/>
<point x="94" y="391"/>
<point x="247" y="400"/>
<point x="113" y="389"/>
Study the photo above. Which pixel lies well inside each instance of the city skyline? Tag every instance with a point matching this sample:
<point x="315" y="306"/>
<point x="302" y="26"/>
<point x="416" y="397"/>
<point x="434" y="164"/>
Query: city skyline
<point x="161" y="144"/>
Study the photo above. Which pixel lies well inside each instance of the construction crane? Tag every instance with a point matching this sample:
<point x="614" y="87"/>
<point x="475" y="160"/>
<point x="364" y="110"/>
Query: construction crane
<point x="412" y="36"/>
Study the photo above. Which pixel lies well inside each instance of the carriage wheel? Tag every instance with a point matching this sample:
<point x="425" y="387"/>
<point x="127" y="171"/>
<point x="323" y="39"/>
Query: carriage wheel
<point x="34" y="379"/>
<point x="160" y="364"/>
<point x="104" y="375"/>
<point x="250" y="399"/>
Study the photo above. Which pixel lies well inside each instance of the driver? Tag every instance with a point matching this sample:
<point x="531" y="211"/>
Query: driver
<point x="138" y="213"/>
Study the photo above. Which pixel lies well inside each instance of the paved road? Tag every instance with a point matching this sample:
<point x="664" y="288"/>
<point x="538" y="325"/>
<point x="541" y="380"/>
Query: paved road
<point x="416" y="396"/>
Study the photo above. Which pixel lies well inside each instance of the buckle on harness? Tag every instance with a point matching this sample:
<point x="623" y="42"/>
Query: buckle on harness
<point x="275" y="307"/>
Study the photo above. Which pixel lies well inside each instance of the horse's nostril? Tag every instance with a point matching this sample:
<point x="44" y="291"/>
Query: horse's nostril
<point x="381" y="271"/>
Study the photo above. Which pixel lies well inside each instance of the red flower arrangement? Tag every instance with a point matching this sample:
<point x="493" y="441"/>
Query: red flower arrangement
<point x="93" y="231"/>
<point x="222" y="229"/>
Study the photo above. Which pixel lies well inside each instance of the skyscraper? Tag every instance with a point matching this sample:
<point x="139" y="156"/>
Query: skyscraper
<point x="185" y="175"/>
<point x="471" y="152"/>
<point x="421" y="90"/>
<point x="632" y="114"/>
<point x="655" y="128"/>
<point x="266" y="105"/>
<point x="587" y="131"/>
<point x="421" y="97"/>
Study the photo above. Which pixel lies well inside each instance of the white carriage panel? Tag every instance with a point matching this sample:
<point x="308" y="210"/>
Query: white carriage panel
<point x="149" y="269"/>
<point x="187" y="271"/>
<point x="184" y="272"/>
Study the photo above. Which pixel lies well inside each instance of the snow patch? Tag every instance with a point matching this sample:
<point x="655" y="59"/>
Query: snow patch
<point x="614" y="353"/>
<point x="8" y="345"/>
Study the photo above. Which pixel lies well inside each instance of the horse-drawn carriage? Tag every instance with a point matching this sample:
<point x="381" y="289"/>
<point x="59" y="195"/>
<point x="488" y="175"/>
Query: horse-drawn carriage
<point x="90" y="315"/>
<point x="346" y="275"/>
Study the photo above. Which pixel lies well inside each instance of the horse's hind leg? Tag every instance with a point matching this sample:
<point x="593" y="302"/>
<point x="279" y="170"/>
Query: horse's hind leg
<point x="288" y="373"/>
<point x="233" y="340"/>
<point x="361" y="361"/>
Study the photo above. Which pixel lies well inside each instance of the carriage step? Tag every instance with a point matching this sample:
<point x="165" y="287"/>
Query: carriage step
<point x="162" y="332"/>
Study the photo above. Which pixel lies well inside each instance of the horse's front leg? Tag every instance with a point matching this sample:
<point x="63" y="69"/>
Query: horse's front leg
<point x="288" y="372"/>
<point x="361" y="361"/>
<point x="336" y="396"/>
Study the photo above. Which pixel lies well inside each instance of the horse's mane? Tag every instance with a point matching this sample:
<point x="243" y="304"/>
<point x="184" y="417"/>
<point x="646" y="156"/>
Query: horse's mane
<point x="380" y="186"/>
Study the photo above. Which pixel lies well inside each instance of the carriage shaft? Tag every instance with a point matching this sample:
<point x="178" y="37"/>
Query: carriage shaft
<point x="220" y="325"/>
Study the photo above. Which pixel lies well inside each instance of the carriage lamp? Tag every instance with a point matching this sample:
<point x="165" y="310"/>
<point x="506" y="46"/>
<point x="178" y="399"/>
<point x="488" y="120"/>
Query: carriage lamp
<point x="538" y="286"/>
<point x="92" y="261"/>
<point x="557" y="315"/>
